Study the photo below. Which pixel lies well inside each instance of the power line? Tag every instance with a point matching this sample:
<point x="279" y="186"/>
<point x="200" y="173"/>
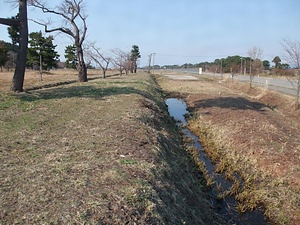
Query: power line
<point x="266" y="55"/>
<point x="194" y="56"/>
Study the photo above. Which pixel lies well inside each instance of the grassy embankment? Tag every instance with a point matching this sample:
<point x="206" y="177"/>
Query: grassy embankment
<point x="252" y="132"/>
<point x="102" y="152"/>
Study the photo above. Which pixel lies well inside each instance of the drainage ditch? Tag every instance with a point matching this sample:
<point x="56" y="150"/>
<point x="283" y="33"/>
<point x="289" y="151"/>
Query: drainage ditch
<point x="226" y="206"/>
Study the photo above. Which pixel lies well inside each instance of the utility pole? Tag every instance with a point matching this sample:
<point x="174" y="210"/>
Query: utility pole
<point x="241" y="66"/>
<point x="149" y="62"/>
<point x="39" y="51"/>
<point x="153" y="54"/>
<point x="41" y="67"/>
<point x="221" y="69"/>
<point x="250" y="71"/>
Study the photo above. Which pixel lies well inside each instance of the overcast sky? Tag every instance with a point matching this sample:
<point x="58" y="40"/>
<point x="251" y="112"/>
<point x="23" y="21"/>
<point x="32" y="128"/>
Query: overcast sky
<point x="182" y="31"/>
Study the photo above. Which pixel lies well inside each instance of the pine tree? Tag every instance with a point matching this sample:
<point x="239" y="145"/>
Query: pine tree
<point x="41" y="46"/>
<point x="3" y="55"/>
<point x="135" y="55"/>
<point x="14" y="31"/>
<point x="277" y="61"/>
<point x="71" y="57"/>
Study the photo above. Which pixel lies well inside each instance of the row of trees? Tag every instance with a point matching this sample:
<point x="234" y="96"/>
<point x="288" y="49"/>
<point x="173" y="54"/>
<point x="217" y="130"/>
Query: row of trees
<point x="236" y="64"/>
<point x="123" y="61"/>
<point x="42" y="55"/>
<point x="74" y="25"/>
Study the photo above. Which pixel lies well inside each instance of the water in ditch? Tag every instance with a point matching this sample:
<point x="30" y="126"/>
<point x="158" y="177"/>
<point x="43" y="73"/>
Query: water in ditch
<point x="227" y="206"/>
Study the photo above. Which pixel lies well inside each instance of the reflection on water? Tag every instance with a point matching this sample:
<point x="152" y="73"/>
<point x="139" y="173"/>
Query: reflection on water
<point x="177" y="109"/>
<point x="225" y="207"/>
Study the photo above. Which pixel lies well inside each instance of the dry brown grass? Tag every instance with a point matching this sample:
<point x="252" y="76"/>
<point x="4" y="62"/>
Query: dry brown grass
<point x="31" y="79"/>
<point x="254" y="131"/>
<point x="101" y="152"/>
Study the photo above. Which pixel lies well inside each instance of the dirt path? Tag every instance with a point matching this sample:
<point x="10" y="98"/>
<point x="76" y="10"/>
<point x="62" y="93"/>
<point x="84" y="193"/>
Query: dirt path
<point x="255" y="133"/>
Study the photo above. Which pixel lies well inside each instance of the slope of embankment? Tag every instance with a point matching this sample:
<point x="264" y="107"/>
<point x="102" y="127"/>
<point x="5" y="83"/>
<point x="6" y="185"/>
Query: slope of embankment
<point x="101" y="152"/>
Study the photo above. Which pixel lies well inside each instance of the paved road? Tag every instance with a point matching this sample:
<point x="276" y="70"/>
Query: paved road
<point x="182" y="77"/>
<point x="277" y="84"/>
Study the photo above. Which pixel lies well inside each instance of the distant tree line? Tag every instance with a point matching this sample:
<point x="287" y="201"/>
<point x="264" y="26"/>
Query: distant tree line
<point x="229" y="64"/>
<point x="41" y="50"/>
<point x="236" y="64"/>
<point x="254" y="65"/>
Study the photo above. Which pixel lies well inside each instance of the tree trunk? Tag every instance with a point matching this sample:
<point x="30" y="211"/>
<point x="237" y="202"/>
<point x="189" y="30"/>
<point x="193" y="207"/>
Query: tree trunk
<point x="82" y="71"/>
<point x="104" y="73"/>
<point x="18" y="78"/>
<point x="131" y="66"/>
<point x="135" y="66"/>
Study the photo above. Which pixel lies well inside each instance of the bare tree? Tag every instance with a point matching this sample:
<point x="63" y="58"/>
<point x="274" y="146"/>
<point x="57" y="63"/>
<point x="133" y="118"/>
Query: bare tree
<point x="256" y="64"/>
<point x="72" y="12"/>
<point x="95" y="55"/>
<point x="292" y="54"/>
<point x="19" y="74"/>
<point x="121" y="61"/>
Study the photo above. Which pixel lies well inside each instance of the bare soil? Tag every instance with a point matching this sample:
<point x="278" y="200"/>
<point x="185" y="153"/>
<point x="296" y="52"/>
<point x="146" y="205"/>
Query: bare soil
<point x="101" y="152"/>
<point x="257" y="134"/>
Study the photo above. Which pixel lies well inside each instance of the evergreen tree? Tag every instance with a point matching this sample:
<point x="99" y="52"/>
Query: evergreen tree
<point x="3" y="55"/>
<point x="14" y="31"/>
<point x="134" y="56"/>
<point x="41" y="46"/>
<point x="71" y="57"/>
<point x="277" y="61"/>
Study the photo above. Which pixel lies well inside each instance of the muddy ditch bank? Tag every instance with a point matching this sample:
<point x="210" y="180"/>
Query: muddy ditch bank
<point x="252" y="134"/>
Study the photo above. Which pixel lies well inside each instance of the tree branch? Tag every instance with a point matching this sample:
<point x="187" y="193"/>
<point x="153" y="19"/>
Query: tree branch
<point x="99" y="54"/>
<point x="9" y="22"/>
<point x="41" y="6"/>
<point x="84" y="29"/>
<point x="62" y="29"/>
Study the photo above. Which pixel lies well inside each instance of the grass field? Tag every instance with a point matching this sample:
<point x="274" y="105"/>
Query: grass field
<point x="101" y="152"/>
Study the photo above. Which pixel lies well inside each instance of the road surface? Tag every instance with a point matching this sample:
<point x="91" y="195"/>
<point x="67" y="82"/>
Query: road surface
<point x="278" y="84"/>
